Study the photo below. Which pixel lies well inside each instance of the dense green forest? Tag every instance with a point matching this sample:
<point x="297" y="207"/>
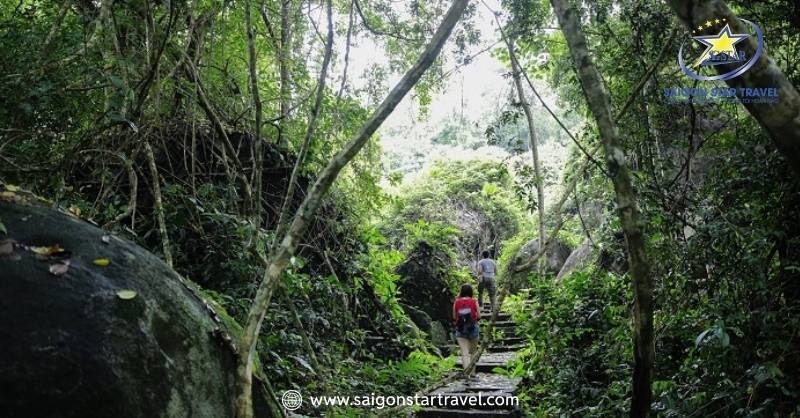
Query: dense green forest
<point x="208" y="208"/>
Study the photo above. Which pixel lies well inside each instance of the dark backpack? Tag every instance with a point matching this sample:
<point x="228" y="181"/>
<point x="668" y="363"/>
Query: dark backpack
<point x="466" y="323"/>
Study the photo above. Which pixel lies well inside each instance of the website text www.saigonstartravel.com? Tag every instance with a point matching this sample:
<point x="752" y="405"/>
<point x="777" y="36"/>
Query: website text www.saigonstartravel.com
<point x="293" y="400"/>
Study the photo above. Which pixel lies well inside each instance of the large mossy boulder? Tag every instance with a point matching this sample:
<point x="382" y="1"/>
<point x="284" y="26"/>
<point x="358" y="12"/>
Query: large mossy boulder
<point x="423" y="284"/>
<point x="74" y="346"/>
<point x="554" y="258"/>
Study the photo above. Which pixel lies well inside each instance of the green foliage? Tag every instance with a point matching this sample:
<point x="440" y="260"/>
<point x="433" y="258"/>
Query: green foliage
<point x="436" y="234"/>
<point x="510" y="248"/>
<point x="578" y="345"/>
<point x="402" y="377"/>
<point x="452" y="203"/>
<point x="378" y="265"/>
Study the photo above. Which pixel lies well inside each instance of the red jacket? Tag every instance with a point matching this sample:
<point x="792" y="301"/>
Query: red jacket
<point x="465" y="303"/>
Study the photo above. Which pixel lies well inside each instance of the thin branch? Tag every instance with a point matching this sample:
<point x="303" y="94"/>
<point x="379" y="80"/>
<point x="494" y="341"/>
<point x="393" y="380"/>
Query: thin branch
<point x="346" y="54"/>
<point x="375" y="30"/>
<point x="133" y="182"/>
<point x="156" y="186"/>
<point x="280" y="257"/>
<point x="312" y="125"/>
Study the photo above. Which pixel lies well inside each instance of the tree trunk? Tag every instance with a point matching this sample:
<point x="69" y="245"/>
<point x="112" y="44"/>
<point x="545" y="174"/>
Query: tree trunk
<point x="258" y="155"/>
<point x="557" y="213"/>
<point x="283" y="68"/>
<point x="781" y="120"/>
<point x="598" y="101"/>
<point x="305" y="213"/>
<point x="312" y="125"/>
<point x="537" y="169"/>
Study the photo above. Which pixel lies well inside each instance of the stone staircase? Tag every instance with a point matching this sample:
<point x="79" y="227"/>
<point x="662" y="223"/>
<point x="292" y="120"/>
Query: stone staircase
<point x="461" y="397"/>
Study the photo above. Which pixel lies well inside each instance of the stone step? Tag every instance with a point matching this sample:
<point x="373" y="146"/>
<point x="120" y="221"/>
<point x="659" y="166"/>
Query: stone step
<point x="486" y="382"/>
<point x="484" y="385"/>
<point x="500" y="348"/>
<point x="467" y="413"/>
<point x="508" y="333"/>
<point x="487" y="316"/>
<point x="509" y="340"/>
<point x="490" y="360"/>
<point x="500" y="323"/>
<point x="507" y="330"/>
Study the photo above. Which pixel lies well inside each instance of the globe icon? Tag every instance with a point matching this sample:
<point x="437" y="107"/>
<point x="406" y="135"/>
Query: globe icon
<point x="291" y="400"/>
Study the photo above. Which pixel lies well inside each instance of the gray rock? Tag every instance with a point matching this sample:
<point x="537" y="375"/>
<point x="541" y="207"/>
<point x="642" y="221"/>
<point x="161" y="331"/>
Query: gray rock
<point x="439" y="336"/>
<point x="578" y="259"/>
<point x="419" y="318"/>
<point x="423" y="282"/>
<point x="556" y="255"/>
<point x="71" y="347"/>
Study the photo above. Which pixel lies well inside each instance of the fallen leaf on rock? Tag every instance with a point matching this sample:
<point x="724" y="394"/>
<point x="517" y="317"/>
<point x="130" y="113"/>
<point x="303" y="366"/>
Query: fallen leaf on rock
<point x="6" y="247"/>
<point x="59" y="269"/>
<point x="75" y="210"/>
<point x="53" y="249"/>
<point x="6" y="194"/>
<point x="11" y="188"/>
<point x="126" y="294"/>
<point x="106" y="239"/>
<point x="102" y="262"/>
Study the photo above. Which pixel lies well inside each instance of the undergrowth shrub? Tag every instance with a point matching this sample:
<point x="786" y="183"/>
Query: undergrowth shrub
<point x="578" y="345"/>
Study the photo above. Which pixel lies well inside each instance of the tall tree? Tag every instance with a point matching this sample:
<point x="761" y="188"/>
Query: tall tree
<point x="598" y="101"/>
<point x="258" y="155"/>
<point x="537" y="169"/>
<point x="284" y="62"/>
<point x="781" y="120"/>
<point x="279" y="259"/>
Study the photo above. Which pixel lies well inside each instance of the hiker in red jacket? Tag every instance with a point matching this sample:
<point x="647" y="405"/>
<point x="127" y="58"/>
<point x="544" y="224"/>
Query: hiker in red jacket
<point x="465" y="317"/>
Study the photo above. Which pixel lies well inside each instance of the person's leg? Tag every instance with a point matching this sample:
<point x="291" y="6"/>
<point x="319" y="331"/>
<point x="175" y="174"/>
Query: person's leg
<point x="464" y="344"/>
<point x="492" y="288"/>
<point x="473" y="347"/>
<point x="481" y="285"/>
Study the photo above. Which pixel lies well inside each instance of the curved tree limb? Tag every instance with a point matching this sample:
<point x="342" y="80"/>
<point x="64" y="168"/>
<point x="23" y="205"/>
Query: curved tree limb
<point x="305" y="213"/>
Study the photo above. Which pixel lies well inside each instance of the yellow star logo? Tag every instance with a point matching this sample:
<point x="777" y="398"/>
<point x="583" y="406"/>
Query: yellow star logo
<point x="717" y="21"/>
<point x="724" y="42"/>
<point x="708" y="23"/>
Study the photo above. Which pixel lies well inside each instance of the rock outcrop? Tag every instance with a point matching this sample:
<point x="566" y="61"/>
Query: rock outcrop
<point x="423" y="285"/>
<point x="555" y="257"/>
<point x="577" y="260"/>
<point x="95" y="326"/>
